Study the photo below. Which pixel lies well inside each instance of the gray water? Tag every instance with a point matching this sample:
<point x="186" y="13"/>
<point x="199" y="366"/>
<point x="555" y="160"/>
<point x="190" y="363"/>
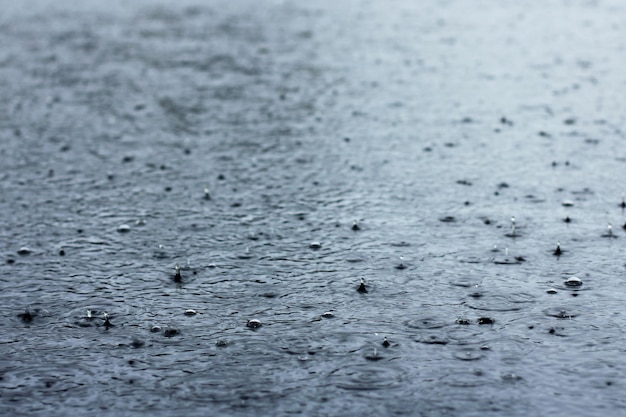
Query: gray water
<point x="430" y="124"/>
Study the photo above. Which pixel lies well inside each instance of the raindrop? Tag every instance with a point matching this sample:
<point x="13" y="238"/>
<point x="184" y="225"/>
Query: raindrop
<point x="558" y="251"/>
<point x="401" y="265"/>
<point x="170" y="332"/>
<point x="386" y="343"/>
<point x="362" y="288"/>
<point x="107" y="322"/>
<point x="355" y="226"/>
<point x="609" y="232"/>
<point x="207" y="196"/>
<point x="374" y="357"/>
<point x="27" y="316"/>
<point x="178" y="277"/>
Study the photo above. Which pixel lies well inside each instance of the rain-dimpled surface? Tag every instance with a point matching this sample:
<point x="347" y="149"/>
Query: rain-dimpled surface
<point x="243" y="140"/>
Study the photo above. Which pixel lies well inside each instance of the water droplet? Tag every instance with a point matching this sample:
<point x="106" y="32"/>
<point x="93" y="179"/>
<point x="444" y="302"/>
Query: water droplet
<point x="558" y="251"/>
<point x="355" y="226"/>
<point x="401" y="265"/>
<point x="568" y="203"/>
<point x="190" y="312"/>
<point x="609" y="232"/>
<point x="212" y="265"/>
<point x="573" y="282"/>
<point x="315" y="245"/>
<point x="107" y="322"/>
<point x="178" y="277"/>
<point x="124" y="228"/>
<point x="155" y="329"/>
<point x="386" y="343"/>
<point x="27" y="316"/>
<point x="551" y="291"/>
<point x="207" y="196"/>
<point x="362" y="288"/>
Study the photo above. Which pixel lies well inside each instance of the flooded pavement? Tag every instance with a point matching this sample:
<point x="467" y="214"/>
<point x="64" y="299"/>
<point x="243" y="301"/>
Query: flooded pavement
<point x="331" y="208"/>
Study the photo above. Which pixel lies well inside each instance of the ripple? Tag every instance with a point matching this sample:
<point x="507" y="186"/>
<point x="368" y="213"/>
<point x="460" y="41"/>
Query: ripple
<point x="465" y="379"/>
<point x="560" y="312"/>
<point x="426" y="323"/>
<point x="469" y="354"/>
<point x="500" y="302"/>
<point x="369" y="376"/>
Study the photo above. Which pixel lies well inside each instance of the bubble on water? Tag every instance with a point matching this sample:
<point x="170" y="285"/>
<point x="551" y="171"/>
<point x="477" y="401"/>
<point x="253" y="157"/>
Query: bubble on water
<point x="551" y="291"/>
<point x="212" y="265"/>
<point x="315" y="245"/>
<point x="123" y="228"/>
<point x="386" y="343"/>
<point x="190" y="312"/>
<point x="155" y="329"/>
<point x="486" y="320"/>
<point x="221" y="343"/>
<point x="207" y="195"/>
<point x="328" y="315"/>
<point x="464" y="322"/>
<point x="573" y="282"/>
<point x="558" y="251"/>
<point x="567" y="203"/>
<point x="24" y="250"/>
<point x="254" y="324"/>
<point x="355" y="226"/>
